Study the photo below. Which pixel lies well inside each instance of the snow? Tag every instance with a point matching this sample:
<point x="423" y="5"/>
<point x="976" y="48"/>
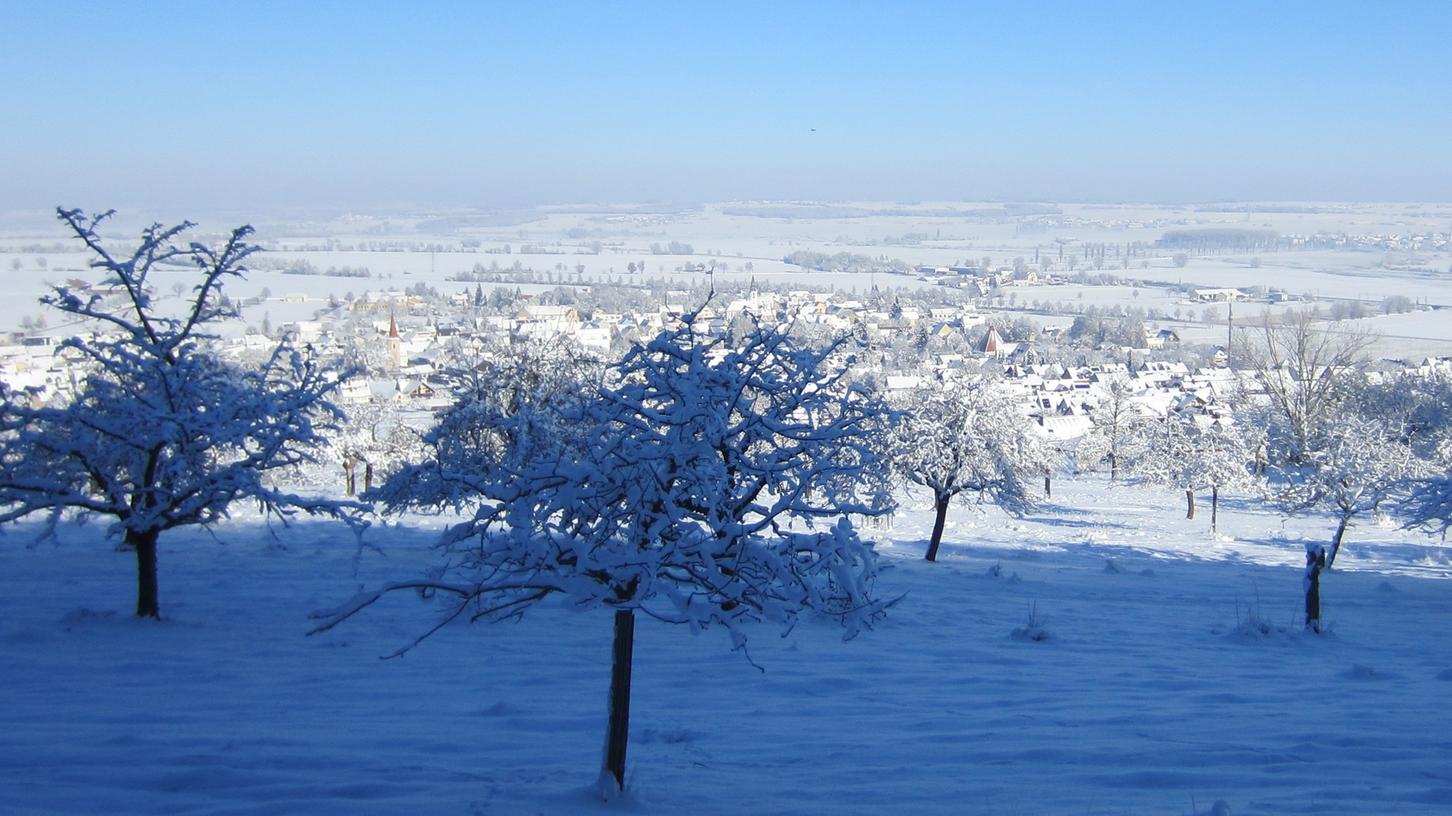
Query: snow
<point x="721" y="233"/>
<point x="1175" y="679"/>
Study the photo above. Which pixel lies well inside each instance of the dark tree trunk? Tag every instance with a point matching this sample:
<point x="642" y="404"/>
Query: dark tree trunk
<point x="1048" y="488"/>
<point x="618" y="737"/>
<point x="367" y="476"/>
<point x="1336" y="541"/>
<point x="1214" y="507"/>
<point x="941" y="505"/>
<point x="147" y="605"/>
<point x="1189" y="504"/>
<point x="1113" y="467"/>
<point x="1315" y="561"/>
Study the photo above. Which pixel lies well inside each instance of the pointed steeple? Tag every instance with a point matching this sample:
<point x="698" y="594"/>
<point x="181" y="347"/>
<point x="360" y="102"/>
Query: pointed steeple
<point x="992" y="341"/>
<point x="395" y="343"/>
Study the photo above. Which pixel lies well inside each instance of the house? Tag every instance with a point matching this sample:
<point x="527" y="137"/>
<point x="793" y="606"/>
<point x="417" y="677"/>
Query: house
<point x="1218" y="295"/>
<point x="898" y="383"/>
<point x="1064" y="428"/>
<point x="1158" y="339"/>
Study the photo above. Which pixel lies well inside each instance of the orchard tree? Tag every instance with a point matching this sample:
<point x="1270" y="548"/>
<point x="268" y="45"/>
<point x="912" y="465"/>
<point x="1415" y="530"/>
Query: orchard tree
<point x="513" y="405"/>
<point x="162" y="432"/>
<point x="968" y="438"/>
<point x="1119" y="429"/>
<point x="374" y="442"/>
<point x="1359" y="465"/>
<point x="670" y="497"/>
<point x="1428" y="503"/>
<point x="1307" y="369"/>
<point x="1193" y="454"/>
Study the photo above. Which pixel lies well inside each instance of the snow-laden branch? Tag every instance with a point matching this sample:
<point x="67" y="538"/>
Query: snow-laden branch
<point x="665" y="486"/>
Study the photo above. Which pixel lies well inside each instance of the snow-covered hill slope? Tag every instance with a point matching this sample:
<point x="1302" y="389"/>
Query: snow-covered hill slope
<point x="1104" y="656"/>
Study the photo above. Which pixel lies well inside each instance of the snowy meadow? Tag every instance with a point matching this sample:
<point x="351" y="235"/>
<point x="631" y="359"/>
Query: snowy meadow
<point x="1100" y="656"/>
<point x="1092" y="653"/>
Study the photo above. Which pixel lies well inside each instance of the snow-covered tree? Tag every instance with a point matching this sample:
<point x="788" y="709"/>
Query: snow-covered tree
<point x="1359" y="464"/>
<point x="513" y="405"/>
<point x="162" y="432"/>
<point x="1119" y="430"/>
<point x="968" y="438"/>
<point x="1428" y="503"/>
<point x="673" y="502"/>
<point x="374" y="442"/>
<point x="1420" y="405"/>
<point x="1192" y="454"/>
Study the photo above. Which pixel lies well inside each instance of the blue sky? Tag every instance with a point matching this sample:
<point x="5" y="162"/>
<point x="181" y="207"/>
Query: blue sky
<point x="381" y="105"/>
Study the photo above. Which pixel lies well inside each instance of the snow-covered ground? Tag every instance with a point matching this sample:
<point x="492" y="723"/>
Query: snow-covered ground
<point x="726" y="234"/>
<point x="1172" y="674"/>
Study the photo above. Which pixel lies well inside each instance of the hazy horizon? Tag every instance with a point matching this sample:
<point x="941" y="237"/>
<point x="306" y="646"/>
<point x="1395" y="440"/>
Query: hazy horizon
<point x="368" y="107"/>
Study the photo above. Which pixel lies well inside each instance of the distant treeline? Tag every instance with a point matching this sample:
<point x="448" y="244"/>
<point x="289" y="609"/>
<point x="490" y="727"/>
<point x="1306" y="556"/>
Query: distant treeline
<point x="844" y="262"/>
<point x="1003" y="214"/>
<point x="305" y="268"/>
<point x="1220" y="240"/>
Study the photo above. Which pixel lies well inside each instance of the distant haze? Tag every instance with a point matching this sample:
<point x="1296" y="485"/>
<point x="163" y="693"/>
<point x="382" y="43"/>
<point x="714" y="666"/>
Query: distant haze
<point x="357" y="105"/>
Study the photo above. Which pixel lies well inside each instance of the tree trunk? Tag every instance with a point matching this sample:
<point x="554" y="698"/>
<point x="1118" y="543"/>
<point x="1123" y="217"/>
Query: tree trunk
<point x="1214" y="507"/>
<point x="1336" y="541"/>
<point x="350" y="477"/>
<point x="144" y="543"/>
<point x="618" y="736"/>
<point x="1048" y="488"/>
<point x="1113" y="467"/>
<point x="367" y="476"/>
<point x="1315" y="561"/>
<point x="1189" y="504"/>
<point x="941" y="505"/>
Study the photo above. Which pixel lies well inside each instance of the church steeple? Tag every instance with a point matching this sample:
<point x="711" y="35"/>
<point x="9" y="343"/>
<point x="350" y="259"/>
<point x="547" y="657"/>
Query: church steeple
<point x="395" y="343"/>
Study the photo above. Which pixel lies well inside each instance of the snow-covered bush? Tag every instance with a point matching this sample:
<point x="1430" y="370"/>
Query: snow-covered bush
<point x="161" y="431"/>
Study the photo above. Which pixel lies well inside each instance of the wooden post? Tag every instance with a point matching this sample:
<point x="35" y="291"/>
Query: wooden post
<point x="1315" y="562"/>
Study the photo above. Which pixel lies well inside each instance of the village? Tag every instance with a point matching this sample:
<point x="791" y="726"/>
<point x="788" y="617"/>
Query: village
<point x="411" y="347"/>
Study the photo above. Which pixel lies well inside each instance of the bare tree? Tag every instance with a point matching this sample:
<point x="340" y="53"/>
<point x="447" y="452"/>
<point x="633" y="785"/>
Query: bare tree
<point x="1306" y="368"/>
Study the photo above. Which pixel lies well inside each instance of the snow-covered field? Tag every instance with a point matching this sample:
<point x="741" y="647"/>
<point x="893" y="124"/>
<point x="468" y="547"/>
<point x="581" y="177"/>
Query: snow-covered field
<point x="1172" y="674"/>
<point x="726" y="234"/>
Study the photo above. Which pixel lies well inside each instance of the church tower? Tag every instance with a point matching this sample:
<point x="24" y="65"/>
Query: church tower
<point x="395" y="344"/>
